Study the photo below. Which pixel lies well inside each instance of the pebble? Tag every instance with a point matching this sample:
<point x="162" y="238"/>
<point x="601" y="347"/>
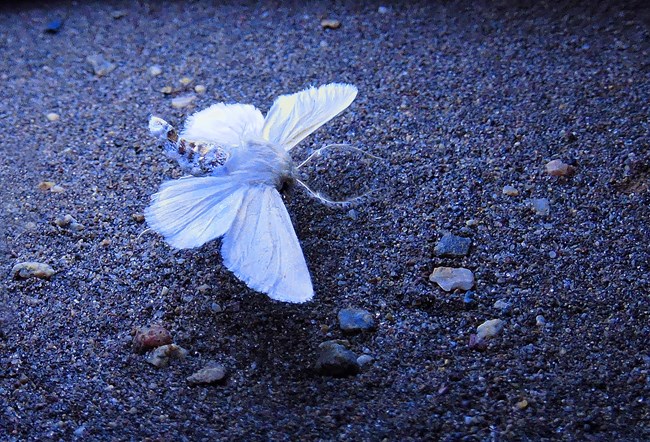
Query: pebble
<point x="137" y="217"/>
<point x="119" y="14"/>
<point x="199" y="89"/>
<point x="452" y="246"/>
<point x="558" y="168"/>
<point x="185" y="81"/>
<point x="153" y="336"/>
<point x="364" y="360"/>
<point x="382" y="10"/>
<point x="166" y="90"/>
<point x="211" y="374"/>
<point x="32" y="269"/>
<point x="522" y="404"/>
<point x="68" y="222"/>
<point x="541" y="206"/>
<point x="155" y="70"/>
<point x="53" y="116"/>
<point x="330" y="23"/>
<point x="45" y="185"/>
<point x="57" y="189"/>
<point x="99" y="65"/>
<point x="510" y="191"/>
<point x="489" y="329"/>
<point x="183" y="101"/>
<point x="354" y="320"/>
<point x="449" y="278"/>
<point x="336" y="360"/>
<point x="471" y="222"/>
<point x="161" y="356"/>
<point x="502" y="305"/>
<point x="540" y="321"/>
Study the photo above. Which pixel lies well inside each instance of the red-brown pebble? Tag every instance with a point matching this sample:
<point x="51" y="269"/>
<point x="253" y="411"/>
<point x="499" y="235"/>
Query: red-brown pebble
<point x="154" y="336"/>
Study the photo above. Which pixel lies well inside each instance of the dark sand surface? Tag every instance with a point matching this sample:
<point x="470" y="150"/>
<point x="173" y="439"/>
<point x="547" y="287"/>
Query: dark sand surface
<point x="462" y="99"/>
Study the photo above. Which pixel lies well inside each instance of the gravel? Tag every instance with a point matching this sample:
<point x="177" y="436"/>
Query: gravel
<point x="458" y="99"/>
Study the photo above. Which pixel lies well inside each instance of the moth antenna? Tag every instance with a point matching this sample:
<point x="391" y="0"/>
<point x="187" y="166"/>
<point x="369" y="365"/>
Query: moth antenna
<point x="143" y="232"/>
<point x="329" y="202"/>
<point x="318" y="152"/>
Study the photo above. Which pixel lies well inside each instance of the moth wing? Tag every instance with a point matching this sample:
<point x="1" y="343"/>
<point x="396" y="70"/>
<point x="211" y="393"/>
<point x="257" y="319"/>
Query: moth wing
<point x="191" y="211"/>
<point x="225" y="124"/>
<point x="261" y="248"/>
<point x="293" y="117"/>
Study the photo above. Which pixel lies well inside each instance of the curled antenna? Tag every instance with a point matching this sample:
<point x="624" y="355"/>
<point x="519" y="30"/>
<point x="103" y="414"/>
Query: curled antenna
<point x="329" y="202"/>
<point x="318" y="152"/>
<point x="143" y="232"/>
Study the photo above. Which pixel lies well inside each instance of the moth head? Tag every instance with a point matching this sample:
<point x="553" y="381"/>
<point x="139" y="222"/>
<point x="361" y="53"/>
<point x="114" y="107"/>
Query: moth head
<point x="286" y="184"/>
<point x="159" y="128"/>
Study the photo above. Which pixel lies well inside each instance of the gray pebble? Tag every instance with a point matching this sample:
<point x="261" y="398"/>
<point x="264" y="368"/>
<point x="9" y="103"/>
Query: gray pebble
<point x="353" y="320"/>
<point x="364" y="360"/>
<point x="541" y="206"/>
<point x="99" y="65"/>
<point x="502" y="305"/>
<point x="452" y="246"/>
<point x="160" y="356"/>
<point x="211" y="374"/>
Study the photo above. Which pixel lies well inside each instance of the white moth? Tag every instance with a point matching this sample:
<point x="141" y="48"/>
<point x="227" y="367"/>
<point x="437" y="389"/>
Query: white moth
<point x="238" y="161"/>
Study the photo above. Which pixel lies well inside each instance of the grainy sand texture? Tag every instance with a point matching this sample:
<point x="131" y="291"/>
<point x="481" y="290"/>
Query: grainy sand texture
<point x="546" y="337"/>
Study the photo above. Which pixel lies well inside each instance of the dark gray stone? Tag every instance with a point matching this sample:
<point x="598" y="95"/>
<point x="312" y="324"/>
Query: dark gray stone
<point x="452" y="246"/>
<point x="336" y="360"/>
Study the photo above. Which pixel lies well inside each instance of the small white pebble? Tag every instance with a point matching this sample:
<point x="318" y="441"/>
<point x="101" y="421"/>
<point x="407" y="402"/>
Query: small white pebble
<point x="199" y="89"/>
<point x="558" y="168"/>
<point x="155" y="70"/>
<point x="185" y="81"/>
<point x="540" y="321"/>
<point x="183" y="101"/>
<point x="489" y="329"/>
<point x="53" y="116"/>
<point x="552" y="254"/>
<point x="510" y="191"/>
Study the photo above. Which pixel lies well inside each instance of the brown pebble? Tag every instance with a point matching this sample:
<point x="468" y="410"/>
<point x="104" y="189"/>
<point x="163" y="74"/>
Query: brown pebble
<point x="45" y="185"/>
<point x="32" y="269"/>
<point x="330" y="23"/>
<point x="153" y="336"/>
<point x="137" y="217"/>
